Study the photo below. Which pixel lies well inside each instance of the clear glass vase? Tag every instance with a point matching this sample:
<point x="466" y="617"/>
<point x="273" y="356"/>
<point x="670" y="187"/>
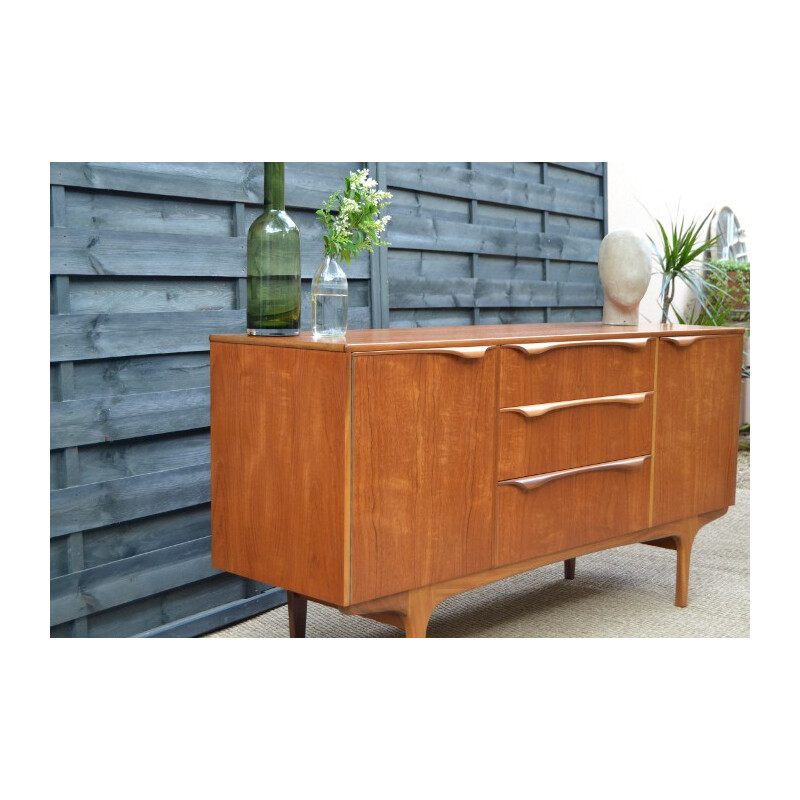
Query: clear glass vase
<point x="273" y="264"/>
<point x="329" y="300"/>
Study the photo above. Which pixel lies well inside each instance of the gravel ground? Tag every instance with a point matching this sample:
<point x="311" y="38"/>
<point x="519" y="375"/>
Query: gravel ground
<point x="743" y="473"/>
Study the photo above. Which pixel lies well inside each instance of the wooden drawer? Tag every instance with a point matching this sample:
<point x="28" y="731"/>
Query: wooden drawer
<point x="547" y="372"/>
<point x="556" y="436"/>
<point x="550" y="513"/>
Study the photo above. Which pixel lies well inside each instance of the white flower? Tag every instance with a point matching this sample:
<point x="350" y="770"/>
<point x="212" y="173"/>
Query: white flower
<point x="342" y="225"/>
<point x="348" y="206"/>
<point x="360" y="179"/>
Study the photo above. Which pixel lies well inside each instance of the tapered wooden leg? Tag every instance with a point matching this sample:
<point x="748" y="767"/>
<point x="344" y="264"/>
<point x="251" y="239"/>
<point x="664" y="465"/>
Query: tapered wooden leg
<point x="298" y="609"/>
<point x="683" y="547"/>
<point x="420" y="608"/>
<point x="569" y="569"/>
<point x="410" y="611"/>
<point x="680" y="540"/>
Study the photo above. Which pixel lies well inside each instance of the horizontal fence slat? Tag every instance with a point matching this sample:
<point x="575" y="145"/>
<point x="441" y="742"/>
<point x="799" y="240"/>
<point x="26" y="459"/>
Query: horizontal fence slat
<point x="233" y="181"/>
<point x="164" y="372"/>
<point x="74" y="337"/>
<point x="165" y="607"/>
<point x="132" y="538"/>
<point x="87" y="251"/>
<point x="472" y="293"/>
<point x="426" y="233"/>
<point x="119" y="582"/>
<point x="95" y="505"/>
<point x="91" y="252"/>
<point x="592" y="167"/>
<point x="579" y="295"/>
<point x="477" y="184"/>
<point x="308" y="184"/>
<point x="220" y="617"/>
<point x="107" y="419"/>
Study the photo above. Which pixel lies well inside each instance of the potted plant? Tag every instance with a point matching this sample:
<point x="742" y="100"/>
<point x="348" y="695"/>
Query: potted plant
<point x="353" y="222"/>
<point x="678" y="255"/>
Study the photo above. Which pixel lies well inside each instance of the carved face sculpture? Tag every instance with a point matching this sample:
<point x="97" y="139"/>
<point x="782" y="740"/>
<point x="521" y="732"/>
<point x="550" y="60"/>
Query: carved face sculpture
<point x="624" y="264"/>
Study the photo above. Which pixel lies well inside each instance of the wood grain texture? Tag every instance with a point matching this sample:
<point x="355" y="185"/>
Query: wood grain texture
<point x="278" y="465"/>
<point x="421" y="292"/>
<point x="483" y="184"/>
<point x="411" y="610"/>
<point x="429" y="442"/>
<point x="573" y="436"/>
<point x="697" y="420"/>
<point x="76" y="337"/>
<point x="188" y="602"/>
<point x="594" y="369"/>
<point x="308" y="184"/>
<point x="423" y="467"/>
<point x="125" y="540"/>
<point x="95" y="505"/>
<point x="110" y="585"/>
<point x="430" y="233"/>
<point x="363" y="341"/>
<point x="145" y="374"/>
<point x="93" y="252"/>
<point x="569" y="512"/>
<point x="105" y="419"/>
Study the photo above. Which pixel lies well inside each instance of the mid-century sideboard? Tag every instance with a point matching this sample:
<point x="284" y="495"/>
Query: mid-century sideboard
<point x="383" y="472"/>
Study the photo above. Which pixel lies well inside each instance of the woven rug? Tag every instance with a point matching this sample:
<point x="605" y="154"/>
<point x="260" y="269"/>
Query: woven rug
<point x="624" y="592"/>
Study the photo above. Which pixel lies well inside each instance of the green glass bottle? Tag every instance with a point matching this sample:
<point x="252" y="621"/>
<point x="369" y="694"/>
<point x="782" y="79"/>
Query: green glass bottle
<point x="273" y="264"/>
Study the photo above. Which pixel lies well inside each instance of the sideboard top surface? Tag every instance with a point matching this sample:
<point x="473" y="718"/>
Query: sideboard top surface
<point x="403" y="338"/>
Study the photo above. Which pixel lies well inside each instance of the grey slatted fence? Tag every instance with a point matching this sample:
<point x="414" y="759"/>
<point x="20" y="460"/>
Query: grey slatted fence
<point x="148" y="259"/>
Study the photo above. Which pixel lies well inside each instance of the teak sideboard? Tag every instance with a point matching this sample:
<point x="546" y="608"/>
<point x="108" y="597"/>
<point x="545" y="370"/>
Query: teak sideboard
<point x="383" y="472"/>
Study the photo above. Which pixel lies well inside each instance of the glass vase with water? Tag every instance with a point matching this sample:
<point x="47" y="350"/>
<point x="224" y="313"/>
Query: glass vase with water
<point x="329" y="300"/>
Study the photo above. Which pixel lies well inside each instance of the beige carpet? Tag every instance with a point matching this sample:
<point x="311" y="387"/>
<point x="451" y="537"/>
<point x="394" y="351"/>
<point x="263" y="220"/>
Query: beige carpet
<point x="625" y="592"/>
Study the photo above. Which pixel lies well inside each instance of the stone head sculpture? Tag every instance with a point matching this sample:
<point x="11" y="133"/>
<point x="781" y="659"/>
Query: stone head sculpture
<point x="624" y="264"/>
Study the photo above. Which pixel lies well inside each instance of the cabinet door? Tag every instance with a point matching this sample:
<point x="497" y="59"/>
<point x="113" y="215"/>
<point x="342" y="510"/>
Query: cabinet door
<point x="423" y="468"/>
<point x="278" y="466"/>
<point x="697" y="418"/>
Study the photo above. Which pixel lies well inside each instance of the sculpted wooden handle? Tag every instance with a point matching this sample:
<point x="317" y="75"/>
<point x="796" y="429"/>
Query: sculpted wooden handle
<point x="535" y="481"/>
<point x="545" y="408"/>
<point x="535" y="348"/>
<point x="683" y="341"/>
<point x="478" y="351"/>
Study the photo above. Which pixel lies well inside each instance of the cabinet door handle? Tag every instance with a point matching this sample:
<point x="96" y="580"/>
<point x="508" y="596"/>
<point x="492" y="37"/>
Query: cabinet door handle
<point x="535" y="481"/>
<point x="545" y="408"/>
<point x="477" y="351"/>
<point x="535" y="348"/>
<point x="684" y="341"/>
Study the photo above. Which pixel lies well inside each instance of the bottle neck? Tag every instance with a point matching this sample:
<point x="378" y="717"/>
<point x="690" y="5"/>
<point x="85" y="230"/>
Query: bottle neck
<point x="273" y="185"/>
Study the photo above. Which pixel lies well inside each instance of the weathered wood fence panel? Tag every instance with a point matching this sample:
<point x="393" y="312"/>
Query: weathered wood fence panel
<point x="148" y="259"/>
<point x="485" y="243"/>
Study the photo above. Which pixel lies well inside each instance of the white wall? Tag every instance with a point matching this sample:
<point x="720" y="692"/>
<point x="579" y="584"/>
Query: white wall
<point x="669" y="189"/>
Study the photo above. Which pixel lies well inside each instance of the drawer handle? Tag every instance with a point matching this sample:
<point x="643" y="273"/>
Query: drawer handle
<point x="683" y="341"/>
<point x="535" y="481"/>
<point x="478" y="351"/>
<point x="545" y="408"/>
<point x="535" y="348"/>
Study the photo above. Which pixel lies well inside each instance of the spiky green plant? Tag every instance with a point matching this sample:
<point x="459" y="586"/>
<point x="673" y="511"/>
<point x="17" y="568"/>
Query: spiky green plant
<point x="726" y="297"/>
<point x="678" y="259"/>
